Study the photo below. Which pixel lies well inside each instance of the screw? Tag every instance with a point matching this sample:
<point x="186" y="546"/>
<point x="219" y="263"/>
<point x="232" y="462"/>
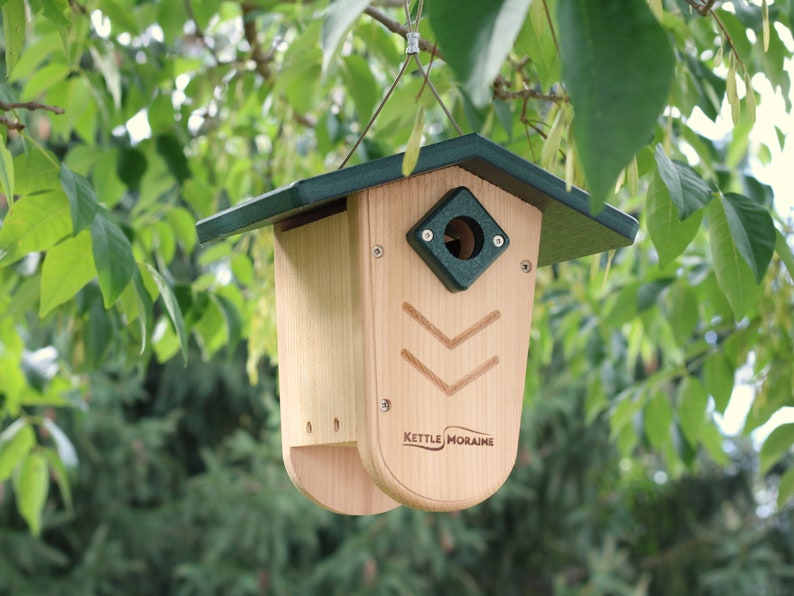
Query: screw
<point x="427" y="235"/>
<point x="526" y="266"/>
<point x="377" y="251"/>
<point x="498" y="241"/>
<point x="385" y="405"/>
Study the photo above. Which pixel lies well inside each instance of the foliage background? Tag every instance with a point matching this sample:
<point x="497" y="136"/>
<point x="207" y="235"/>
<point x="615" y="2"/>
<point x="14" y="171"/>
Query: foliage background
<point x="138" y="396"/>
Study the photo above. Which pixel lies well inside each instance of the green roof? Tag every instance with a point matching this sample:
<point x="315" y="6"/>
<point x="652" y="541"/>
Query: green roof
<point x="568" y="231"/>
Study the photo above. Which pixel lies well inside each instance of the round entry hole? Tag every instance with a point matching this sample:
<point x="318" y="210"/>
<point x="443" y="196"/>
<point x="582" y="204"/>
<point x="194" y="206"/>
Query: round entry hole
<point x="463" y="238"/>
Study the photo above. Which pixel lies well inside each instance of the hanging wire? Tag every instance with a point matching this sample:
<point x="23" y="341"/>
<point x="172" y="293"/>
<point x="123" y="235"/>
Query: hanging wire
<point x="412" y="52"/>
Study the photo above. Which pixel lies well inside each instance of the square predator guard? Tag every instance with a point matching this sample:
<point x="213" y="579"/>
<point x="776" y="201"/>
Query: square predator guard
<point x="404" y="310"/>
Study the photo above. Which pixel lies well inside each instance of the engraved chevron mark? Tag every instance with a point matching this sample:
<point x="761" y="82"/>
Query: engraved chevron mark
<point x="447" y="389"/>
<point x="453" y="343"/>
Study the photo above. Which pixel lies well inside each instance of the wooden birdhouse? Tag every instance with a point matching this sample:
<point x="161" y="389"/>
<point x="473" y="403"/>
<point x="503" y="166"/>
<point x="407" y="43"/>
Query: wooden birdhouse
<point x="404" y="309"/>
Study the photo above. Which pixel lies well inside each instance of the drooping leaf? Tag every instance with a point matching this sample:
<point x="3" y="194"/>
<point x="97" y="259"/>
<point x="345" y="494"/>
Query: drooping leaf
<point x="604" y="44"/>
<point x="15" y="442"/>
<point x="31" y="486"/>
<point x="14" y="20"/>
<point x="718" y="379"/>
<point x="64" y="446"/>
<point x="55" y="10"/>
<point x="537" y="40"/>
<point x="683" y="313"/>
<point x="658" y="418"/>
<point x="113" y="257"/>
<point x="6" y="172"/>
<point x="753" y="232"/>
<point x="784" y="252"/>
<point x="688" y="191"/>
<point x="692" y="402"/>
<point x="172" y="151"/>
<point x="670" y="235"/>
<point x="734" y="275"/>
<point x="339" y="18"/>
<point x="785" y="488"/>
<point x="60" y="474"/>
<point x="475" y="38"/>
<point x="361" y="85"/>
<point x="67" y="268"/>
<point x="145" y="303"/>
<point x="172" y="306"/>
<point x="33" y="224"/>
<point x="82" y="200"/>
<point x="411" y="155"/>
<point x="777" y="444"/>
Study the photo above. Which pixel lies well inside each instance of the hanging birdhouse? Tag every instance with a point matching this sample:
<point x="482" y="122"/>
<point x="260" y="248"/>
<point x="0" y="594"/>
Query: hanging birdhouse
<point x="404" y="309"/>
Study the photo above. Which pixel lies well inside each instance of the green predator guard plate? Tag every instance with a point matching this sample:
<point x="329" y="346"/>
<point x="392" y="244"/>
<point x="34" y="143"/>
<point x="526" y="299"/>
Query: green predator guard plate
<point x="568" y="230"/>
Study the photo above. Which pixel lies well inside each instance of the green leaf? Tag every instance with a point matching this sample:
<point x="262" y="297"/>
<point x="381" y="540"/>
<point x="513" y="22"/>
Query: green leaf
<point x="60" y="474"/>
<point x="776" y="445"/>
<point x="718" y="377"/>
<point x="172" y="151"/>
<point x="753" y="232"/>
<point x="35" y="171"/>
<point x="785" y="488"/>
<point x="15" y="443"/>
<point x="476" y="38"/>
<point x="669" y="235"/>
<point x="688" y="191"/>
<point x="172" y="306"/>
<point x="54" y="10"/>
<point x="692" y="402"/>
<point x="411" y="155"/>
<point x="67" y="268"/>
<point x="14" y="22"/>
<point x="31" y="486"/>
<point x="113" y="257"/>
<point x="339" y="18"/>
<point x="6" y="172"/>
<point x="658" y="418"/>
<point x="783" y="250"/>
<point x="66" y="451"/>
<point x="733" y="274"/>
<point x="537" y="40"/>
<point x="683" y="312"/>
<point x="34" y="224"/>
<point x="145" y="304"/>
<point x="361" y="85"/>
<point x="82" y="201"/>
<point x="712" y="440"/>
<point x="617" y="66"/>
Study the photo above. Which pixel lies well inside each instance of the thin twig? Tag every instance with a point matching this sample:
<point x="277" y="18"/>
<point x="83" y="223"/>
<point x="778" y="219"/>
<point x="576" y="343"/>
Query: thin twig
<point x="29" y="105"/>
<point x="10" y="124"/>
<point x="730" y="40"/>
<point x="499" y="92"/>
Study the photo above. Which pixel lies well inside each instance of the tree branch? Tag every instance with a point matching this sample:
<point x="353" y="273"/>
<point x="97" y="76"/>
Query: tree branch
<point x="702" y="8"/>
<point x="261" y="58"/>
<point x="400" y="29"/>
<point x="29" y="105"/>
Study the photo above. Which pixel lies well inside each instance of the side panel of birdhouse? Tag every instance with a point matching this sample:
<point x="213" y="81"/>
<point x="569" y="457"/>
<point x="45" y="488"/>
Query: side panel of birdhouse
<point x="444" y="371"/>
<point x="321" y="366"/>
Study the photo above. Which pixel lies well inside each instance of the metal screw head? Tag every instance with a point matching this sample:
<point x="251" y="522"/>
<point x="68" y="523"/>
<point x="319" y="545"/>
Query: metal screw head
<point x="427" y="235"/>
<point x="377" y="251"/>
<point x="526" y="266"/>
<point x="498" y="241"/>
<point x="385" y="405"/>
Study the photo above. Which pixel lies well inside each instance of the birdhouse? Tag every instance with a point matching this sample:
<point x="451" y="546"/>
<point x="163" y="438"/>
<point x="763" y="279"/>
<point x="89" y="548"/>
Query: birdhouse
<point x="404" y="307"/>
